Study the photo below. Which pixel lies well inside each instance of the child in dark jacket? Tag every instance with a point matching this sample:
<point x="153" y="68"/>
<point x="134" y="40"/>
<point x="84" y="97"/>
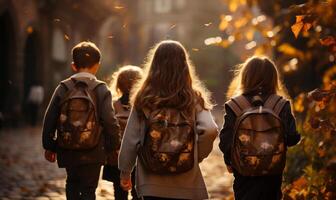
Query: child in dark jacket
<point x="83" y="137"/>
<point x="258" y="76"/>
<point x="123" y="81"/>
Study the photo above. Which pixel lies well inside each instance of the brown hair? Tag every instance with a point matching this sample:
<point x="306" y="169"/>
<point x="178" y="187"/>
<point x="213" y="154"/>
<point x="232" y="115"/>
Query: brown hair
<point x="170" y="80"/>
<point x="85" y="55"/>
<point x="124" y="79"/>
<point x="257" y="75"/>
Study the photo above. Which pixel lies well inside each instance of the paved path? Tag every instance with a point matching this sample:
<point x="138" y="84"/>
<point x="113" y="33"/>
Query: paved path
<point x="24" y="174"/>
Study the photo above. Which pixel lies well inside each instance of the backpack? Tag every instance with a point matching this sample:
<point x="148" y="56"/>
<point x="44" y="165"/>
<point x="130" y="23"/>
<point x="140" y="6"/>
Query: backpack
<point x="122" y="113"/>
<point x="168" y="146"/>
<point x="258" y="146"/>
<point x="78" y="125"/>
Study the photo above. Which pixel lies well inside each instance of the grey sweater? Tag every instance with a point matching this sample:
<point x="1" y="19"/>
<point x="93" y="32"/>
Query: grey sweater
<point x="188" y="185"/>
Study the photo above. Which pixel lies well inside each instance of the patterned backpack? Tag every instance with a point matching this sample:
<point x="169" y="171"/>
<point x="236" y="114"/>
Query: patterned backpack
<point x="78" y="125"/>
<point x="258" y="146"/>
<point x="168" y="146"/>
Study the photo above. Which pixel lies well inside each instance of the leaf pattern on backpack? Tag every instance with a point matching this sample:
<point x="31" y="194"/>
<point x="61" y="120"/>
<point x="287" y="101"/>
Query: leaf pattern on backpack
<point x="175" y="144"/>
<point x="164" y="157"/>
<point x="276" y="159"/>
<point x="63" y="118"/>
<point x="252" y="160"/>
<point x="89" y="125"/>
<point x="84" y="136"/>
<point x="155" y="134"/>
<point x="77" y="123"/>
<point x="245" y="139"/>
<point x="266" y="147"/>
<point x="183" y="158"/>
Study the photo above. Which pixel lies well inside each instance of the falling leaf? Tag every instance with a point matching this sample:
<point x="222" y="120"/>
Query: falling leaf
<point x="208" y="24"/>
<point x="296" y="28"/>
<point x="290" y="50"/>
<point x="195" y="49"/>
<point x="172" y="26"/>
<point x="307" y="26"/>
<point x="110" y="36"/>
<point x="66" y="37"/>
<point x="119" y="7"/>
<point x="30" y="30"/>
<point x="327" y="41"/>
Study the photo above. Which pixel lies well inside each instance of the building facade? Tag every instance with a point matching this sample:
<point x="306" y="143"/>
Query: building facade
<point x="36" y="38"/>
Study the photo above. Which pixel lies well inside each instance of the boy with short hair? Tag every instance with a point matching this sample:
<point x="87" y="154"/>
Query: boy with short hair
<point x="81" y="112"/>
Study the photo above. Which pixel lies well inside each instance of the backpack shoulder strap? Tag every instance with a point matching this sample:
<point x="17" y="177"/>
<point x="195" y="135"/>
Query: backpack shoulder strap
<point x="68" y="83"/>
<point x="118" y="107"/>
<point x="275" y="103"/>
<point x="94" y="83"/>
<point x="281" y="103"/>
<point x="238" y="104"/>
<point x="272" y="101"/>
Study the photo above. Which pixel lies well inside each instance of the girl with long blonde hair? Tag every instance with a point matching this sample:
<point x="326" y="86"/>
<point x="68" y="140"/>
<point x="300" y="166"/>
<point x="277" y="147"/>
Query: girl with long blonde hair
<point x="169" y="81"/>
<point x="123" y="80"/>
<point x="256" y="80"/>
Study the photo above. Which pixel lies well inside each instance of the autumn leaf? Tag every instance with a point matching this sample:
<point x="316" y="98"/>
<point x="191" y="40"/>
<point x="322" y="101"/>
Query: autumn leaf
<point x="290" y="50"/>
<point x="296" y="28"/>
<point x="328" y="41"/>
<point x="233" y="5"/>
<point x="300" y="183"/>
<point x="66" y="37"/>
<point x="225" y="19"/>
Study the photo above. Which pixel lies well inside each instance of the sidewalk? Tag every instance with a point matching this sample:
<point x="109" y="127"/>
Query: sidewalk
<point x="24" y="174"/>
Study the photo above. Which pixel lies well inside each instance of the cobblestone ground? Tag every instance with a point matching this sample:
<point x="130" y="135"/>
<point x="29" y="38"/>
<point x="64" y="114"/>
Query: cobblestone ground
<point x="24" y="174"/>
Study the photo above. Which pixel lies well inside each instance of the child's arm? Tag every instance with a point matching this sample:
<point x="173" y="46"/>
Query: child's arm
<point x="50" y="120"/>
<point x="207" y="131"/>
<point x="128" y="152"/>
<point x="226" y="134"/>
<point x="292" y="136"/>
<point x="111" y="129"/>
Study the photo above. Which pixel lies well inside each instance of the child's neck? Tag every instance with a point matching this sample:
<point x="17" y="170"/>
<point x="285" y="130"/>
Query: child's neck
<point x="87" y="70"/>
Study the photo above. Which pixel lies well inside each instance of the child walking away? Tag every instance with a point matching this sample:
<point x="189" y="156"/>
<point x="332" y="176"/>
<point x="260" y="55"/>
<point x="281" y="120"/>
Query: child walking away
<point x="170" y="129"/>
<point x="258" y="128"/>
<point x="81" y="114"/>
<point x="123" y="81"/>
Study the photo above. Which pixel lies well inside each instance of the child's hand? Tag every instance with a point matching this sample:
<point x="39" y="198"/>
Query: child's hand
<point x="50" y="156"/>
<point x="126" y="183"/>
<point x="229" y="168"/>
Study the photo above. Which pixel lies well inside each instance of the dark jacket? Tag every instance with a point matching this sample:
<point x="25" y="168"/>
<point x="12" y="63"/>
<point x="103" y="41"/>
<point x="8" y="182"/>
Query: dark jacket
<point x="262" y="187"/>
<point x="110" y="136"/>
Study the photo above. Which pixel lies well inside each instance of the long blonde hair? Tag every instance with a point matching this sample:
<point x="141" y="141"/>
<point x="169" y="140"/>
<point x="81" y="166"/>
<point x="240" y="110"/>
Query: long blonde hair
<point x="169" y="80"/>
<point x="257" y="75"/>
<point x="124" y="79"/>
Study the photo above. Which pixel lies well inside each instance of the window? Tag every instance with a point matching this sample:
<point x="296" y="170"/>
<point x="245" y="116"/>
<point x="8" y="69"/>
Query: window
<point x="162" y="6"/>
<point x="58" y="51"/>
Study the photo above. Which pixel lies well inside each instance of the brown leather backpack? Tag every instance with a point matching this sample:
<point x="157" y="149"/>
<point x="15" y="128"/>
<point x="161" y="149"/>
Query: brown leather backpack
<point x="258" y="146"/>
<point x="122" y="114"/>
<point x="168" y="146"/>
<point x="78" y="125"/>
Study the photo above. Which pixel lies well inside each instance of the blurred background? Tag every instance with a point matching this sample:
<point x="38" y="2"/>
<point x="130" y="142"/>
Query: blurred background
<point x="36" y="37"/>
